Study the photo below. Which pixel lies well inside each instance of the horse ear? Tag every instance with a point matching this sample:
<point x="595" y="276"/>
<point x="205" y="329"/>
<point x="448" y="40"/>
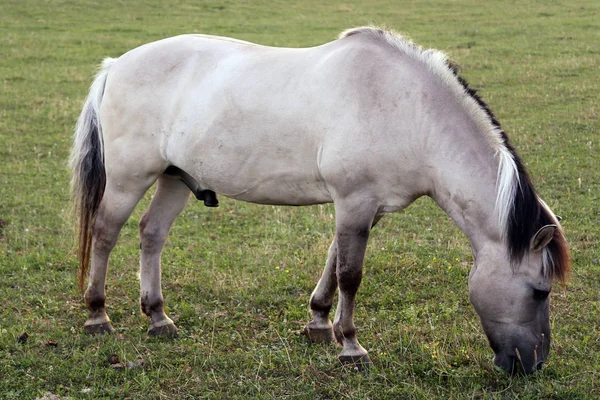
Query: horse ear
<point x="542" y="237"/>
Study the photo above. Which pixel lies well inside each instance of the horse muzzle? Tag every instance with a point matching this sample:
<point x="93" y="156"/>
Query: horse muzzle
<point x="524" y="359"/>
<point x="518" y="364"/>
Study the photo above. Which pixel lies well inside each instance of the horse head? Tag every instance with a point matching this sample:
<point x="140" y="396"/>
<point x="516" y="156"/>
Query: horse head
<point x="513" y="300"/>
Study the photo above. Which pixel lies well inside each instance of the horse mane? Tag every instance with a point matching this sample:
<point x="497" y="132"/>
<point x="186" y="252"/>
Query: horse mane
<point x="520" y="210"/>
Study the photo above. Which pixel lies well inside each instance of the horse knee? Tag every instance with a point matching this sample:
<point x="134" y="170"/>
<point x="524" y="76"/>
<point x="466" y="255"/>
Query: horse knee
<point x="342" y="333"/>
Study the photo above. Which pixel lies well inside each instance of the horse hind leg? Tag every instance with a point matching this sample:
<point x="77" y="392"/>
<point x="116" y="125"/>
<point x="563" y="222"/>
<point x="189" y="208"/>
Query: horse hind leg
<point x="115" y="208"/>
<point x="169" y="200"/>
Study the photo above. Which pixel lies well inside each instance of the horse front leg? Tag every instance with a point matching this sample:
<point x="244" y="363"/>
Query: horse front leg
<point x="353" y="225"/>
<point x="320" y="329"/>
<point x="169" y="200"/>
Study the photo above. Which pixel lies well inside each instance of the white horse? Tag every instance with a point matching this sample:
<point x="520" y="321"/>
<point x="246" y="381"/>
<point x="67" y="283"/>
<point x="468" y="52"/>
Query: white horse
<point x="369" y="122"/>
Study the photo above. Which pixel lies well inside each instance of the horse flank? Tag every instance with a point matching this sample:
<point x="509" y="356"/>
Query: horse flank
<point x="521" y="213"/>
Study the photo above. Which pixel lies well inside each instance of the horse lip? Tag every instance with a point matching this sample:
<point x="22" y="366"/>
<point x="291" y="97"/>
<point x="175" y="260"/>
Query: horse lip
<point x="516" y="359"/>
<point x="513" y="365"/>
<point x="507" y="363"/>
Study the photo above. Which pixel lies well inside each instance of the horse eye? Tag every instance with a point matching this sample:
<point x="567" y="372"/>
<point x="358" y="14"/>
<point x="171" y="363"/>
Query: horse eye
<point x="540" y="294"/>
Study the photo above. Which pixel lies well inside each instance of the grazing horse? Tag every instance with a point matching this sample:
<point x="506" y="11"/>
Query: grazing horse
<point x="369" y="122"/>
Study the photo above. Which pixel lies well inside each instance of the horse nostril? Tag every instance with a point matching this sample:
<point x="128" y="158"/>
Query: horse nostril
<point x="539" y="365"/>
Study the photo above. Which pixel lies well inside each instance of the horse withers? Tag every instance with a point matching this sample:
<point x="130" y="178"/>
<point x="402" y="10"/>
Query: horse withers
<point x="369" y="122"/>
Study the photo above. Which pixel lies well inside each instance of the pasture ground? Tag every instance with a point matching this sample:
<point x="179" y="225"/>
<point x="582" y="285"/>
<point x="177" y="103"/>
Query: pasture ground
<point x="237" y="279"/>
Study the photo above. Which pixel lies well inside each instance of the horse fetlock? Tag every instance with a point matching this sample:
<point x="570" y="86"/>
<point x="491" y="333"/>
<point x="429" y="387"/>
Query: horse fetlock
<point x="320" y="307"/>
<point x="161" y="325"/>
<point x="344" y="335"/>
<point x="94" y="301"/>
<point x="152" y="307"/>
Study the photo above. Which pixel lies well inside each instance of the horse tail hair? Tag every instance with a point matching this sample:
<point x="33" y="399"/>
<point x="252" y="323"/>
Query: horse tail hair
<point x="86" y="162"/>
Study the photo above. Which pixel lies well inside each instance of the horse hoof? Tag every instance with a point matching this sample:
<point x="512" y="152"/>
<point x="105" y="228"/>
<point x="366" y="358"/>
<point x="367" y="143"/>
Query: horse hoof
<point x="99" y="329"/>
<point x="360" y="362"/>
<point x="319" y="335"/>
<point x="168" y="331"/>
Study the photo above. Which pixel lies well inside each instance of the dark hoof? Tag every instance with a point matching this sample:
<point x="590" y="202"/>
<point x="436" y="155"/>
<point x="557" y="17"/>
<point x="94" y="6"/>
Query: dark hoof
<point x="358" y="362"/>
<point x="99" y="329"/>
<point x="319" y="335"/>
<point x="167" y="331"/>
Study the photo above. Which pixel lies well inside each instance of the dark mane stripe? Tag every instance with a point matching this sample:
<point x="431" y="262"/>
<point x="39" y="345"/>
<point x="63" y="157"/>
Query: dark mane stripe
<point x="528" y="214"/>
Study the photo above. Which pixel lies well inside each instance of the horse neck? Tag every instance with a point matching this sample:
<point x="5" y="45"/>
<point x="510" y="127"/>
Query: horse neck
<point x="465" y="185"/>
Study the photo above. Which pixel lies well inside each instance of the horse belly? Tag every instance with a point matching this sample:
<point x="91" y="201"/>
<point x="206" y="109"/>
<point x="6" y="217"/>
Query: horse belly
<point x="277" y="190"/>
<point x="255" y="159"/>
<point x="258" y="177"/>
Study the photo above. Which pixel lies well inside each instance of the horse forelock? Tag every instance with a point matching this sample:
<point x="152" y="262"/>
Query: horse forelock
<point x="521" y="213"/>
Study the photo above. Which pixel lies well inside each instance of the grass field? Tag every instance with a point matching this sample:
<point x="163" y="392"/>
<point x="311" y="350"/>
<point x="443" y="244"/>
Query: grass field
<point x="237" y="279"/>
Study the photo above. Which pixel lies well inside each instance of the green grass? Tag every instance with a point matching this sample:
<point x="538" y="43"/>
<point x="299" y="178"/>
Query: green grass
<point x="237" y="279"/>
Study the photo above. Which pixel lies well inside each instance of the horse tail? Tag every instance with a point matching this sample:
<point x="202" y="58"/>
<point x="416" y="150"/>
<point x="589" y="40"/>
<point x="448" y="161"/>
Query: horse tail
<point x="87" y="167"/>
